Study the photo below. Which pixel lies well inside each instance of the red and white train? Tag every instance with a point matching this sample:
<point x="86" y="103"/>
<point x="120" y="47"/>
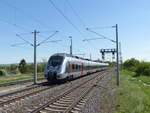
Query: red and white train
<point x="62" y="66"/>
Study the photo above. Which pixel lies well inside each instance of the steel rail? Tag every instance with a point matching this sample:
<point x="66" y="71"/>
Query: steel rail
<point x="23" y="96"/>
<point x="62" y="95"/>
<point x="80" y="98"/>
<point x="18" y="82"/>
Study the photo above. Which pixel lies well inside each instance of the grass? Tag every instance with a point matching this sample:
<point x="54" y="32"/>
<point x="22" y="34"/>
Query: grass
<point x="15" y="78"/>
<point x="144" y="79"/>
<point x="133" y="96"/>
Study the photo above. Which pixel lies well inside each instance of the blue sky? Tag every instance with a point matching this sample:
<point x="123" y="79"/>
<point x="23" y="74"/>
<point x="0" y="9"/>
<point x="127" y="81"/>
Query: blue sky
<point x="132" y="16"/>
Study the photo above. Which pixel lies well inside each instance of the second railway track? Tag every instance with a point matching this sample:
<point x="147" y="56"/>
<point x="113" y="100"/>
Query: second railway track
<point x="18" y="95"/>
<point x="19" y="82"/>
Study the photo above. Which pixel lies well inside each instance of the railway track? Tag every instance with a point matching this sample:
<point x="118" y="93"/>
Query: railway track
<point x="21" y="94"/>
<point x="18" y="82"/>
<point x="71" y="100"/>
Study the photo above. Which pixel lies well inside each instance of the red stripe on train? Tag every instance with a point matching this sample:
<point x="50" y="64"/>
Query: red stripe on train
<point x="70" y="67"/>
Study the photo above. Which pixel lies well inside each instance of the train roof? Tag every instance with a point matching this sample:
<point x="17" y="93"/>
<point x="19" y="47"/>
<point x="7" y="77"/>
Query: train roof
<point x="68" y="55"/>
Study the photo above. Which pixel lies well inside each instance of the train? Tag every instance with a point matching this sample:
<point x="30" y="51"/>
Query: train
<point x="61" y="66"/>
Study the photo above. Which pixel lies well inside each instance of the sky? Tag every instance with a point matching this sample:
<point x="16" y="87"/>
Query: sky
<point x="24" y="16"/>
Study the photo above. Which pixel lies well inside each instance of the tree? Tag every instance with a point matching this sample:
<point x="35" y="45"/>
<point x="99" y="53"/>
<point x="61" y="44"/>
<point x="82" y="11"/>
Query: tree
<point x="23" y="66"/>
<point x="143" y="69"/>
<point x="131" y="64"/>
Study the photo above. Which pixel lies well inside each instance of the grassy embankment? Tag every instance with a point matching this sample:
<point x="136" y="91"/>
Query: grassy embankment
<point x="14" y="78"/>
<point x="133" y="96"/>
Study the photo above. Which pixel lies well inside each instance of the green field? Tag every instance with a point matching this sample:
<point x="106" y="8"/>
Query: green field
<point x="133" y="96"/>
<point x="14" y="78"/>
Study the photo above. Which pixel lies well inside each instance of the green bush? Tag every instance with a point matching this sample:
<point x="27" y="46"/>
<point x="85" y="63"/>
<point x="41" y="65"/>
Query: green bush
<point x="143" y="69"/>
<point x="5" y="67"/>
<point x="23" y="68"/>
<point x="14" y="69"/>
<point x="3" y="72"/>
<point x="112" y="64"/>
<point x="30" y="68"/>
<point x="41" y="67"/>
<point x="131" y="64"/>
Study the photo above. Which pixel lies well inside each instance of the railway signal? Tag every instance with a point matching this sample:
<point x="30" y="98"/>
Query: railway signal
<point x="103" y="51"/>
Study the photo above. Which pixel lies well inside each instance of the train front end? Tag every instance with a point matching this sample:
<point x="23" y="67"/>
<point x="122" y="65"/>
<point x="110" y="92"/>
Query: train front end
<point x="54" y="68"/>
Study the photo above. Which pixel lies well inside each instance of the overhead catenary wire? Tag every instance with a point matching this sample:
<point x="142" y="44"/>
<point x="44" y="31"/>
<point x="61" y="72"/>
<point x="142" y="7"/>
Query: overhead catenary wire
<point x="24" y="39"/>
<point x="28" y="33"/>
<point x="53" y="41"/>
<point x="24" y="13"/>
<point x="18" y="44"/>
<point x="14" y="25"/>
<point x="103" y="27"/>
<point x="65" y="17"/>
<point x="43" y="36"/>
<point x="48" y="31"/>
<point x="76" y="14"/>
<point x="88" y="39"/>
<point x="104" y="37"/>
<point x="44" y="41"/>
<point x="27" y="42"/>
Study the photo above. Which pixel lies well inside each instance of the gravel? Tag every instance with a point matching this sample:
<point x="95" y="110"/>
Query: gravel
<point x="101" y="99"/>
<point x="30" y="103"/>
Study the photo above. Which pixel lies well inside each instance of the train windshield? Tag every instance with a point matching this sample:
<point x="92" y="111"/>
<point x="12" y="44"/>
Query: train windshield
<point x="55" y="61"/>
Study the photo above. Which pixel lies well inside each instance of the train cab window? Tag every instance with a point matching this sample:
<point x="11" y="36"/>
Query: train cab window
<point x="55" y="61"/>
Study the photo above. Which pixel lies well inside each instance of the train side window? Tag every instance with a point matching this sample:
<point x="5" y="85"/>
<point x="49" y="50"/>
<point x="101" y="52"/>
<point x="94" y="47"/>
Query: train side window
<point x="76" y="67"/>
<point x="79" y="67"/>
<point x="73" y="67"/>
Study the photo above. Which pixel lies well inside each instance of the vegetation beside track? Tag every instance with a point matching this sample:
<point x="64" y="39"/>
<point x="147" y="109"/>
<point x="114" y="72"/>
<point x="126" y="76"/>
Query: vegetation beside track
<point x="20" y="72"/>
<point x="19" y="77"/>
<point x="133" y="96"/>
<point x="140" y="68"/>
<point x="22" y="68"/>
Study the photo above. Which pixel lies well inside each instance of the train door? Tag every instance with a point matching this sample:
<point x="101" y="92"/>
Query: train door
<point x="67" y="68"/>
